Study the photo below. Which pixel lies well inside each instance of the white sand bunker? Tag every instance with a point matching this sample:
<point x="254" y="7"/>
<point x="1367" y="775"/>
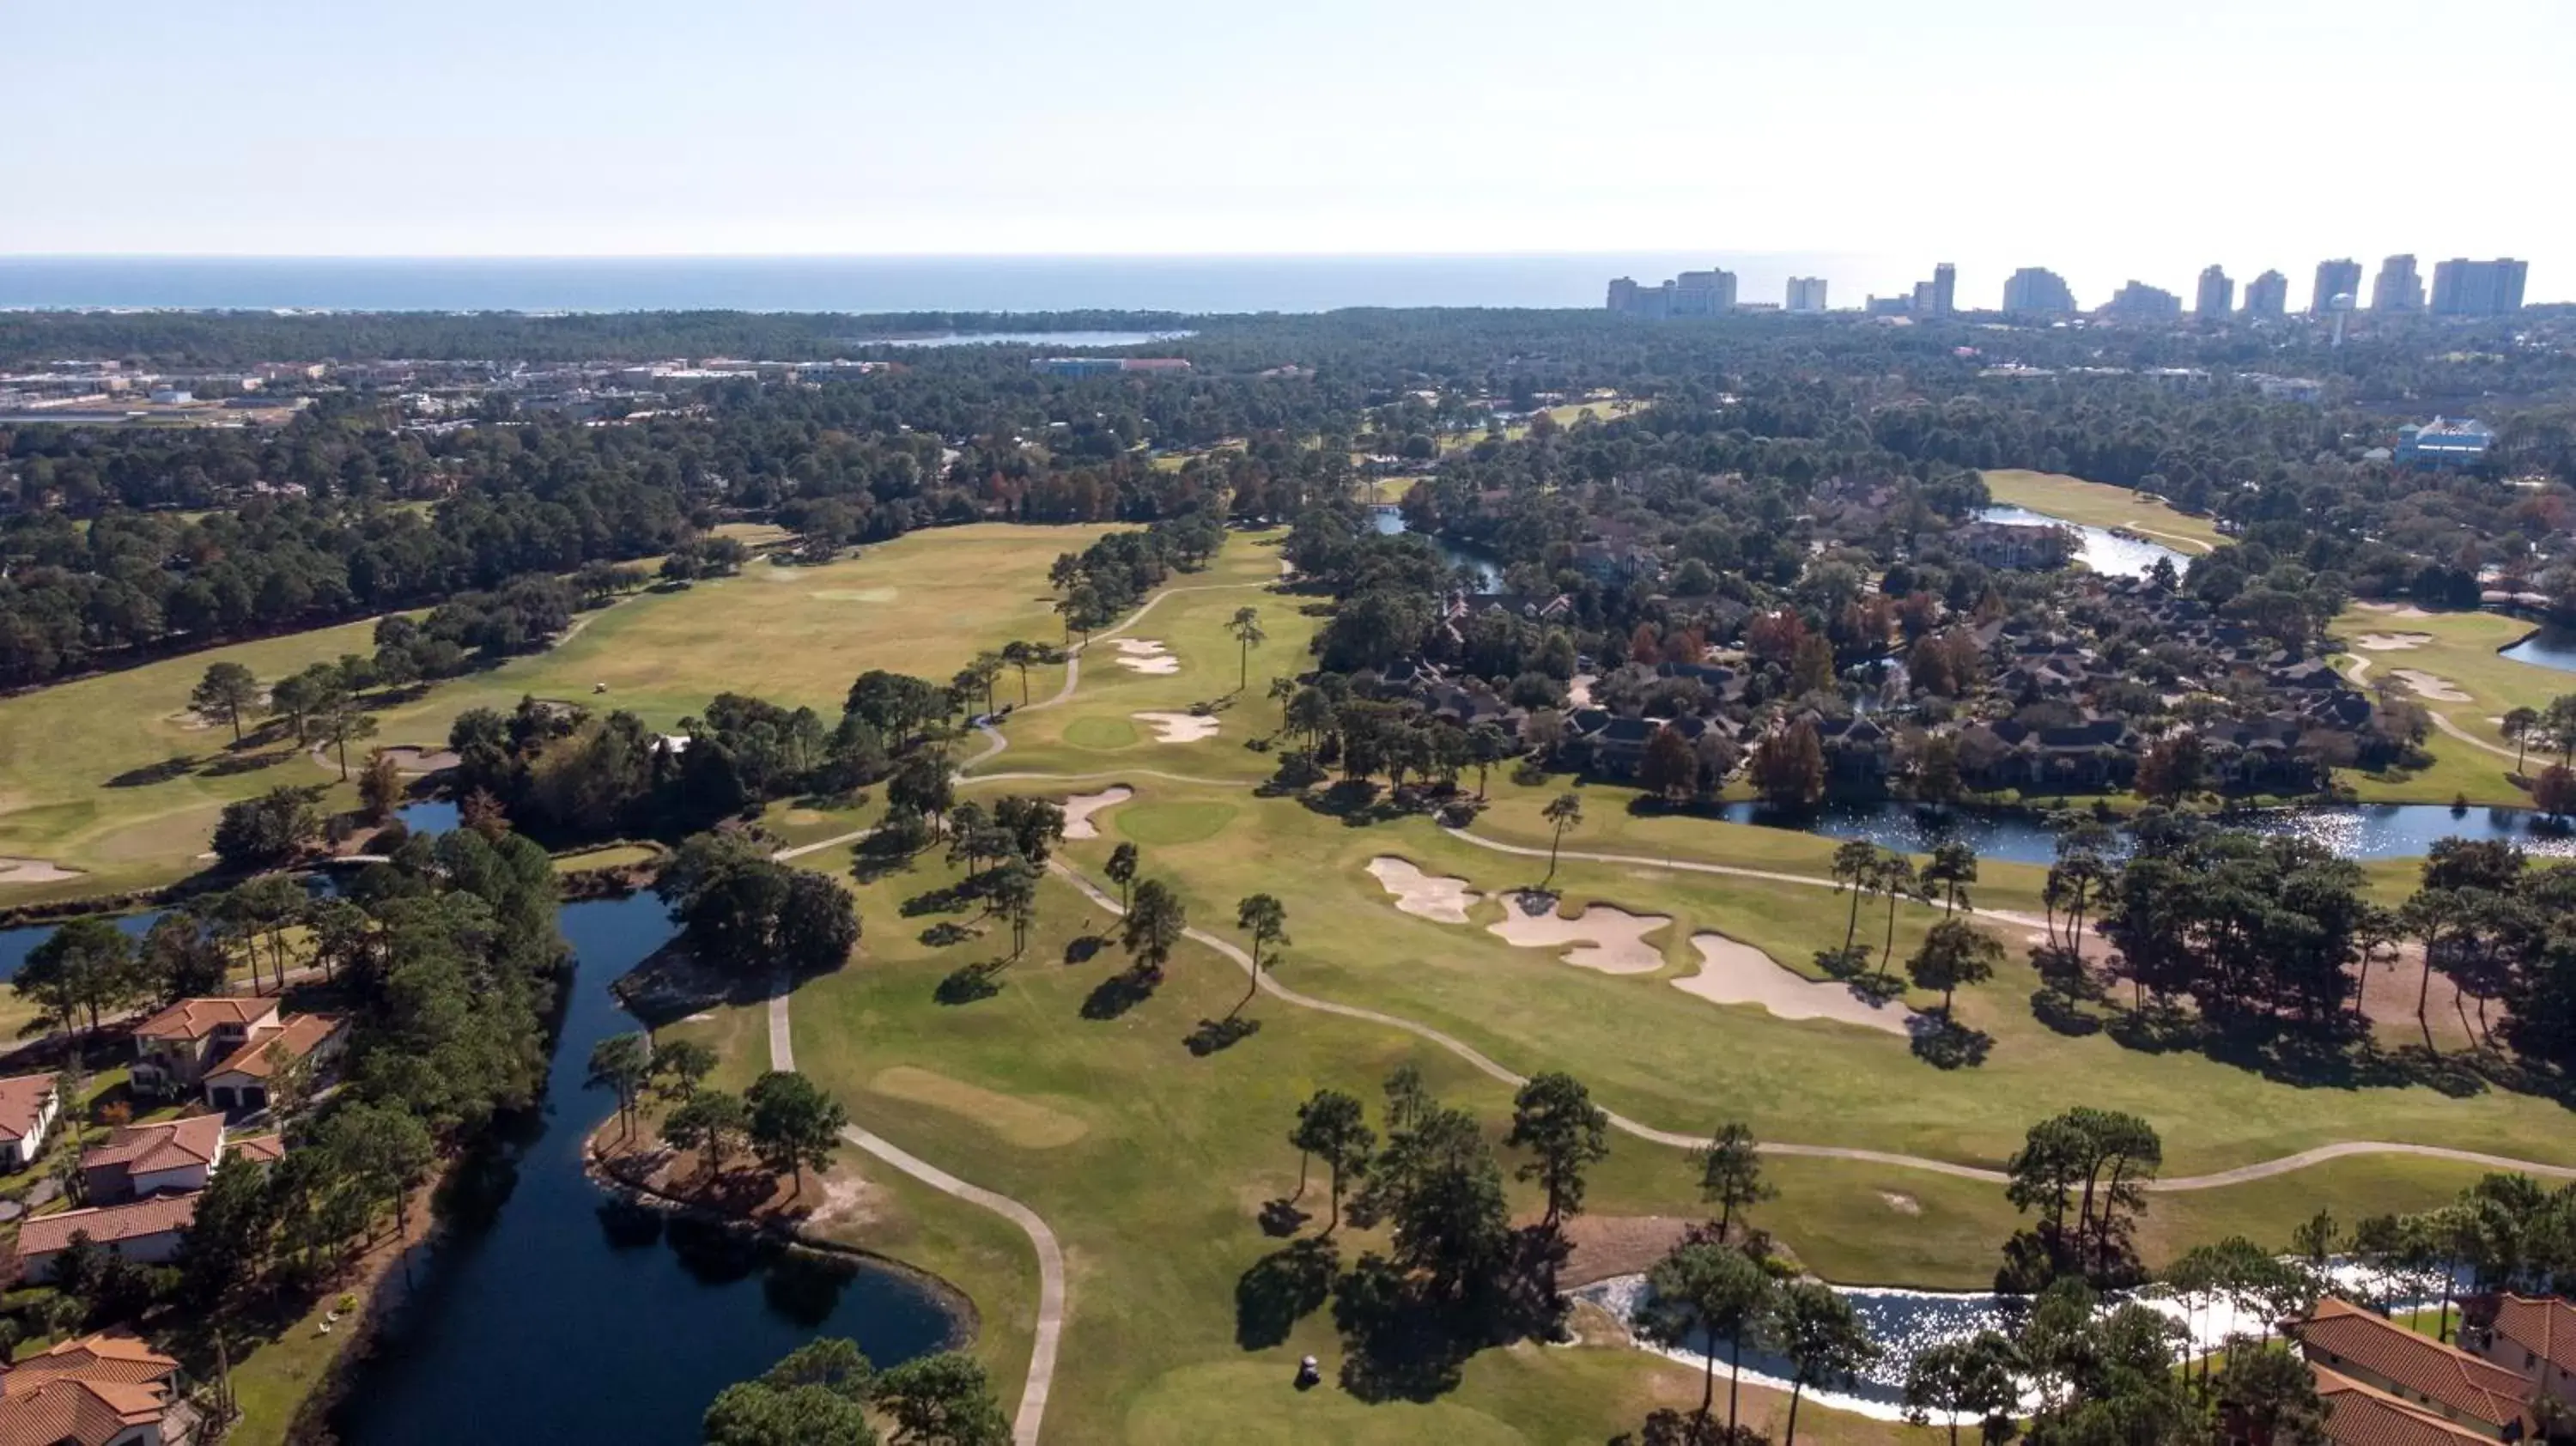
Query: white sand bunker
<point x="1178" y="727"/>
<point x="1608" y="939"/>
<point x="1079" y="809"/>
<point x="1442" y="899"/>
<point x="2431" y="687"/>
<point x="419" y="760"/>
<point x="2391" y="642"/>
<point x="1736" y="973"/>
<point x="1145" y="655"/>
<point x="34" y="871"/>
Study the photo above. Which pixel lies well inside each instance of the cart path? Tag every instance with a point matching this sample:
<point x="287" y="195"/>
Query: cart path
<point x="1050" y="1324"/>
<point x="2242" y="1174"/>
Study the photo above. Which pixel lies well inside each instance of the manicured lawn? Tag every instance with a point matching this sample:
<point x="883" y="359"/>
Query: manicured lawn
<point x="76" y="785"/>
<point x="2461" y="650"/>
<point x="613" y="857"/>
<point x="2098" y="504"/>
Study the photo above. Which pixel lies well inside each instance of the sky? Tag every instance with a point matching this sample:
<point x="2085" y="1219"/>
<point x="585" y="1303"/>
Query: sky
<point x="2107" y="139"/>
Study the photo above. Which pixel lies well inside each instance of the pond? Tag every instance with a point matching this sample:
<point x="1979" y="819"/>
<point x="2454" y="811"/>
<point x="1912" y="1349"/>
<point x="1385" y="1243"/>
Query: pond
<point x="2103" y="551"/>
<point x="1487" y="567"/>
<point x="565" y="1318"/>
<point x="2550" y="647"/>
<point x="2353" y="831"/>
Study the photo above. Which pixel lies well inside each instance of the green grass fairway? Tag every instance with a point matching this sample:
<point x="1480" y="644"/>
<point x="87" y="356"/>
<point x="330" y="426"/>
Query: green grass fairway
<point x="1153" y="824"/>
<point x="1105" y="734"/>
<point x="2461" y="650"/>
<point x="2098" y="504"/>
<point x="793" y="635"/>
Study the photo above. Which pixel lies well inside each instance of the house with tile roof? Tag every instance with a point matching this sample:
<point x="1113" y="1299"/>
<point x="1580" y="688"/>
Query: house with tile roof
<point x="2432" y="1378"/>
<point x="155" y="1159"/>
<point x="2534" y="1337"/>
<point x="174" y="1048"/>
<point x="103" y="1390"/>
<point x="2360" y="1414"/>
<point x="247" y="1079"/>
<point x="29" y="1105"/>
<point x="147" y="1230"/>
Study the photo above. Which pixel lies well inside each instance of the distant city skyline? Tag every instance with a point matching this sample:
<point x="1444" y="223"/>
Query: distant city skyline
<point x="812" y="128"/>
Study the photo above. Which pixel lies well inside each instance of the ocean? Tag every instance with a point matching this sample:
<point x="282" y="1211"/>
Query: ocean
<point x="1192" y="284"/>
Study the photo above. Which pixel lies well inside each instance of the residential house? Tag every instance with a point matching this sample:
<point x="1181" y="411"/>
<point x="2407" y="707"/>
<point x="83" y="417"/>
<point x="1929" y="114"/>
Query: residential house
<point x="2097" y="754"/>
<point x="29" y="1104"/>
<point x="248" y="1078"/>
<point x="174" y="1048"/>
<point x="2360" y="1414"/>
<point x="2533" y="1338"/>
<point x="2426" y="1375"/>
<point x="103" y="1390"/>
<point x="156" y="1159"/>
<point x="145" y="1230"/>
<point x="1858" y="753"/>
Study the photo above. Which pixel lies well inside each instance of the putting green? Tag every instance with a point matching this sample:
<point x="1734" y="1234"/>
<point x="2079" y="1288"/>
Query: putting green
<point x="1100" y="733"/>
<point x="1174" y="823"/>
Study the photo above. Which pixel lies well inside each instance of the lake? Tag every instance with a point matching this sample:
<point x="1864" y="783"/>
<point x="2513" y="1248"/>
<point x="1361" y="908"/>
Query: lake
<point x="2103" y="551"/>
<point x="1486" y="566"/>
<point x="2549" y="647"/>
<point x="565" y="1318"/>
<point x="2353" y="831"/>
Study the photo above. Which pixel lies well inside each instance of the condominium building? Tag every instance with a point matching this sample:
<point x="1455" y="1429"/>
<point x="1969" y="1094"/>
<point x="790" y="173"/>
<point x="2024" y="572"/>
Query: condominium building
<point x="2037" y="291"/>
<point x="1693" y="293"/>
<point x="2335" y="278"/>
<point x="1945" y="289"/>
<point x="2217" y="294"/>
<point x="1806" y="293"/>
<point x="2462" y="287"/>
<point x="2267" y="297"/>
<point x="2138" y="301"/>
<point x="2397" y="289"/>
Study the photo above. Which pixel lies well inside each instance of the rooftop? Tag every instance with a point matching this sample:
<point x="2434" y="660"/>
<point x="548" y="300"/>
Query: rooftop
<point x="2361" y="1415"/>
<point x="168" y="1145"/>
<point x="22" y="1103"/>
<point x="300" y="1037"/>
<point x="159" y="1215"/>
<point x="196" y="1019"/>
<point x="2444" y="1374"/>
<point x="2546" y="1327"/>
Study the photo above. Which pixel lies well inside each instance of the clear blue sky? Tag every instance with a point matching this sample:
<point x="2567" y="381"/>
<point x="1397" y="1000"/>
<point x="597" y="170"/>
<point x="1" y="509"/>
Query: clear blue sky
<point x="2107" y="138"/>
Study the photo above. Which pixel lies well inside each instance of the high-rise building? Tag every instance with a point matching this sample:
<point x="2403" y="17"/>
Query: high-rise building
<point x="1925" y="300"/>
<point x="1806" y="293"/>
<point x="1945" y="289"/>
<point x="2267" y="297"/>
<point x="2138" y="301"/>
<point x="2397" y="289"/>
<point x="2462" y="287"/>
<point x="2037" y="291"/>
<point x="1693" y="293"/>
<point x="2217" y="295"/>
<point x="2335" y="278"/>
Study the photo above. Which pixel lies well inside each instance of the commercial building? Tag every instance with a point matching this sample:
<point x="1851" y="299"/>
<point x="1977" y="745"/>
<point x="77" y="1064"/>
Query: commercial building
<point x="2216" y="296"/>
<point x="2397" y="290"/>
<point x="2037" y="291"/>
<point x="1806" y="294"/>
<point x="2444" y="442"/>
<point x="2462" y="287"/>
<point x="2267" y="297"/>
<point x="1101" y="366"/>
<point x="1945" y="289"/>
<point x="2335" y="278"/>
<point x="2138" y="301"/>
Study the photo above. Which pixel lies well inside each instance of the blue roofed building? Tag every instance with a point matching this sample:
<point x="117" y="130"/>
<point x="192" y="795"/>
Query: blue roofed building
<point x="2445" y="442"/>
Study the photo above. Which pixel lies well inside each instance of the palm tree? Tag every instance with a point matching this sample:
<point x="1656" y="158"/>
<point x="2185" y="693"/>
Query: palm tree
<point x="2519" y="724"/>
<point x="1855" y="866"/>
<point x="1564" y="811"/>
<point x="1266" y="919"/>
<point x="1246" y="628"/>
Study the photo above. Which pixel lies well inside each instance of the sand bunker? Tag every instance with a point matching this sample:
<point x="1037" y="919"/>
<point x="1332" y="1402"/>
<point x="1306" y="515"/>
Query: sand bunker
<point x="1079" y="809"/>
<point x="2394" y="610"/>
<point x="1145" y="655"/>
<point x="2391" y="642"/>
<point x="34" y="871"/>
<point x="2431" y="688"/>
<point x="1445" y="900"/>
<point x="1178" y="727"/>
<point x="419" y="760"/>
<point x="1736" y="973"/>
<point x="1604" y="938"/>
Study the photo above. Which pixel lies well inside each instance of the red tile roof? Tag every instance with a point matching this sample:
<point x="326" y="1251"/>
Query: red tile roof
<point x="266" y="1149"/>
<point x="194" y="1019"/>
<point x="300" y="1037"/>
<point x="2363" y="1415"/>
<point x="22" y="1103"/>
<point x="168" y="1145"/>
<point x="157" y="1215"/>
<point x="2370" y="1343"/>
<point x="72" y="1412"/>
<point x="2546" y="1326"/>
<point x="107" y="1356"/>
